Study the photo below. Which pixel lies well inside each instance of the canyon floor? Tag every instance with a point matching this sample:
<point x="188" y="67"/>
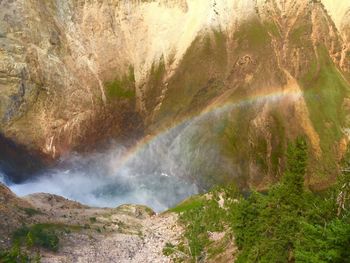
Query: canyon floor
<point x="128" y="233"/>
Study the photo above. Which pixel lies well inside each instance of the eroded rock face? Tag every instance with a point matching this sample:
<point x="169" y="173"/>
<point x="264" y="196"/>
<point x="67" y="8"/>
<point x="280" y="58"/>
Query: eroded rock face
<point x="57" y="57"/>
<point x="75" y="72"/>
<point x="345" y="29"/>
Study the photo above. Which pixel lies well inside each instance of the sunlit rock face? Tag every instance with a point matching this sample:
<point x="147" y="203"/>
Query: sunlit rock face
<point x="57" y="58"/>
<point x="73" y="73"/>
<point x="337" y="10"/>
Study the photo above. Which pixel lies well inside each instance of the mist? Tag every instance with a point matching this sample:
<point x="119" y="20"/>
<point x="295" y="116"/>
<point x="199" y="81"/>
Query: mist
<point x="159" y="174"/>
<point x="155" y="175"/>
<point x="105" y="179"/>
<point x="174" y="165"/>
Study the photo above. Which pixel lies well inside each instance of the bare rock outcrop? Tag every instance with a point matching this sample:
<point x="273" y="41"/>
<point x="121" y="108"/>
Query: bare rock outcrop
<point x="128" y="233"/>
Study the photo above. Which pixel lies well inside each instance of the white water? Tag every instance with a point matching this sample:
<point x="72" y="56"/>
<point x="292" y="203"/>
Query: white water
<point x="149" y="178"/>
<point x="160" y="174"/>
<point x="157" y="175"/>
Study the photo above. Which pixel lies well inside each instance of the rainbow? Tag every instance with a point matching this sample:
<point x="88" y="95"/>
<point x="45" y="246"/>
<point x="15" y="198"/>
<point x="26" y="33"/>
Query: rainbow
<point x="213" y="107"/>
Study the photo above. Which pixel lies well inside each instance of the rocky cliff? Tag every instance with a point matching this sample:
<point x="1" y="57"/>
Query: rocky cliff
<point x="75" y="72"/>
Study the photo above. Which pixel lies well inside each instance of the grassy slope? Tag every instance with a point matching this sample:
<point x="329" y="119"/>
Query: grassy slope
<point x="208" y="69"/>
<point x="197" y="80"/>
<point x="325" y="90"/>
<point x="254" y="156"/>
<point x="122" y="88"/>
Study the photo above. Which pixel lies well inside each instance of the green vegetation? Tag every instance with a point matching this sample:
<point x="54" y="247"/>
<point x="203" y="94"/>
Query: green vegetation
<point x="278" y="144"/>
<point x="325" y="86"/>
<point x="262" y="222"/>
<point x="123" y="88"/>
<point x="32" y="238"/>
<point x="289" y="223"/>
<point x="200" y="216"/>
<point x="327" y="236"/>
<point x="189" y="204"/>
<point x="148" y="210"/>
<point x="169" y="249"/>
<point x="261" y="151"/>
<point x="30" y="211"/>
<point x="272" y="28"/>
<point x="299" y="225"/>
<point x="92" y="219"/>
<point x="194" y="84"/>
<point x="16" y="255"/>
<point x="298" y="35"/>
<point x="41" y="235"/>
<point x="253" y="35"/>
<point x="325" y="243"/>
<point x="325" y="90"/>
<point x="155" y="80"/>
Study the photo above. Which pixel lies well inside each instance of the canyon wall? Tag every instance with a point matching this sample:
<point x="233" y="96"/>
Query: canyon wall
<point x="75" y="72"/>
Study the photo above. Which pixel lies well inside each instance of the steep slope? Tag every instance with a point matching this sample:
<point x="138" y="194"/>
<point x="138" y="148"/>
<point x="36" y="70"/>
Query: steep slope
<point x="345" y="29"/>
<point x="337" y="10"/>
<point x="76" y="72"/>
<point x="291" y="49"/>
<point x="13" y="212"/>
<point x="70" y="66"/>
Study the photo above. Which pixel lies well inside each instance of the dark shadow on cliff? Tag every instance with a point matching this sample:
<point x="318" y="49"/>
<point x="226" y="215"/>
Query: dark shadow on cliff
<point x="18" y="162"/>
